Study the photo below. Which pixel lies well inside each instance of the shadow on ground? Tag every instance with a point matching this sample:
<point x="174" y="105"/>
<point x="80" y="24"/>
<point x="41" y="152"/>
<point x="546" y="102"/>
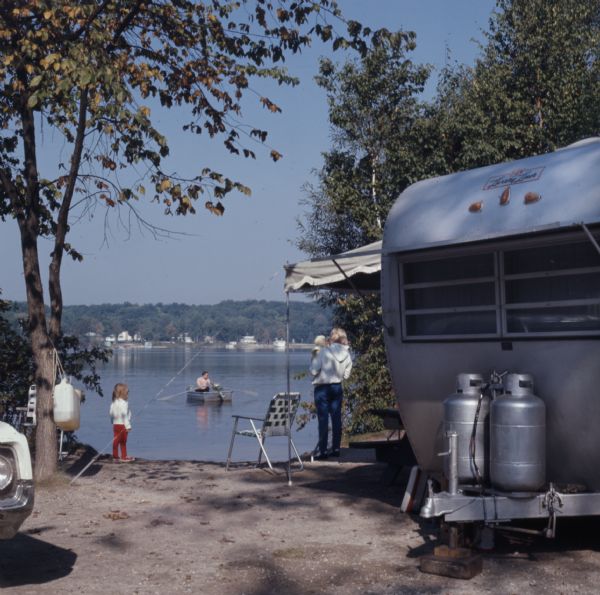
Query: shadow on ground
<point x="26" y="560"/>
<point x="364" y="482"/>
<point x="78" y="460"/>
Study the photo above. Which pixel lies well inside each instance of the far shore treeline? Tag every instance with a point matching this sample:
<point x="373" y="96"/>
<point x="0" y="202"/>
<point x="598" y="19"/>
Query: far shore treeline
<point x="226" y="321"/>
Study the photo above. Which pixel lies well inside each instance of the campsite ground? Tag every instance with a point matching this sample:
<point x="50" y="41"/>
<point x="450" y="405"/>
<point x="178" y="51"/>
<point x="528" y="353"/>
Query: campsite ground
<point x="191" y="527"/>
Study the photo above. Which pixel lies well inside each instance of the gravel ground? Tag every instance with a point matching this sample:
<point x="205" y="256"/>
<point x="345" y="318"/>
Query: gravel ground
<point x="191" y="527"/>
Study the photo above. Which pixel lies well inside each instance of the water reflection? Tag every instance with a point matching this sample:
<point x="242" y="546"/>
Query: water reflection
<point x="208" y="414"/>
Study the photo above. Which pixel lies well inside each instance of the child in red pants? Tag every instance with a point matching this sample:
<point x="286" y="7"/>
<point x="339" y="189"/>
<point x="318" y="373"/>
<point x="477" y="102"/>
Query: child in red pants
<point x="121" y="419"/>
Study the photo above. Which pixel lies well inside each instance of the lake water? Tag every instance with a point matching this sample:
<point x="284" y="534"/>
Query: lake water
<point x="165" y="426"/>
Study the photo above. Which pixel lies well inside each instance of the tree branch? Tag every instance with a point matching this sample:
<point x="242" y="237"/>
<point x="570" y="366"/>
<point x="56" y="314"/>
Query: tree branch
<point x="11" y="191"/>
<point x="62" y="221"/>
<point x="125" y="23"/>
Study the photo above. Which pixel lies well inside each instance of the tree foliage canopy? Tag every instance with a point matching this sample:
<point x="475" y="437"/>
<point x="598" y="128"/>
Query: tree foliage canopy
<point x="372" y="104"/>
<point x="91" y="72"/>
<point x="535" y="87"/>
<point x="17" y="370"/>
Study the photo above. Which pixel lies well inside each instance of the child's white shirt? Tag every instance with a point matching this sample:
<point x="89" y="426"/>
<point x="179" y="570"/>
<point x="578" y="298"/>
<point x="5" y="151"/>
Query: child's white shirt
<point x="119" y="411"/>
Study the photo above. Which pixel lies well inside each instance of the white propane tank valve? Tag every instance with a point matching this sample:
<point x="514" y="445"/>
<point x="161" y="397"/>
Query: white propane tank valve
<point x="66" y="406"/>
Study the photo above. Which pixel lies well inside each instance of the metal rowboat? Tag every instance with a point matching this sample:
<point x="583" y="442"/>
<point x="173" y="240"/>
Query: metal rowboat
<point x="212" y="396"/>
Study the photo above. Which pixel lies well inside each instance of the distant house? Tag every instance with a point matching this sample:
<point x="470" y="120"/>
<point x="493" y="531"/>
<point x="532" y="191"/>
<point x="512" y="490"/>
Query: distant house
<point x="185" y="338"/>
<point x="124" y="337"/>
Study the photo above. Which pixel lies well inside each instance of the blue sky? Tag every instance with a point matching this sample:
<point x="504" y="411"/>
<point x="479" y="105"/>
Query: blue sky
<point x="241" y="255"/>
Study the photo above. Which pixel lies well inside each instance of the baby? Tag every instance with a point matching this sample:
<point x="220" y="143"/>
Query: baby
<point x="320" y="341"/>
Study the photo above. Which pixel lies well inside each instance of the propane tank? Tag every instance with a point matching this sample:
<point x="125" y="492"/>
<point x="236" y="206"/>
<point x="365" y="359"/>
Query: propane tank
<point x="460" y="410"/>
<point x="66" y="406"/>
<point x="518" y="437"/>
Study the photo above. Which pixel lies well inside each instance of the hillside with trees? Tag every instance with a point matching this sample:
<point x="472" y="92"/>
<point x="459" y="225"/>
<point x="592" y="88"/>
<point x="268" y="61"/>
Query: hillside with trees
<point x="226" y="321"/>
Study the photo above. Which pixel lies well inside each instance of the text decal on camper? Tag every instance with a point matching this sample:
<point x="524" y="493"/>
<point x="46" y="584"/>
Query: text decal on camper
<point x="517" y="176"/>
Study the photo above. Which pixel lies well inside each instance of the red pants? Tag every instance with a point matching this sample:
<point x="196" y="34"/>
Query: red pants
<point x="120" y="438"/>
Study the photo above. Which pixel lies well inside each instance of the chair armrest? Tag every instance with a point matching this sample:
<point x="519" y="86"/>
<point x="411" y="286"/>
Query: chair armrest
<point x="247" y="417"/>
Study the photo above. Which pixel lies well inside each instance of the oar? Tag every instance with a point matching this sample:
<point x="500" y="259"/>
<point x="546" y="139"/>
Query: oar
<point x="252" y="393"/>
<point x="166" y="398"/>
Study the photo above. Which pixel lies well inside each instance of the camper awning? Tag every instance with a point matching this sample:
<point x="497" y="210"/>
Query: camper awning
<point x="354" y="270"/>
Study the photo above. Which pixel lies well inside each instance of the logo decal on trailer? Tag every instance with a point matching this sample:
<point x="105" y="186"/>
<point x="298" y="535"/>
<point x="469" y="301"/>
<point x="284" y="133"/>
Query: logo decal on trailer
<point x="517" y="176"/>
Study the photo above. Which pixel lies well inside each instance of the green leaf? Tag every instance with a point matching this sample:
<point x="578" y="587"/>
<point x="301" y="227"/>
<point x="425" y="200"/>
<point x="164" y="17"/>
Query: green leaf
<point x="85" y="77"/>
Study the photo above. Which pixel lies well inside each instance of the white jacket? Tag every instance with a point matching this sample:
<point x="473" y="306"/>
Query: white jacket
<point x="331" y="364"/>
<point x="119" y="411"/>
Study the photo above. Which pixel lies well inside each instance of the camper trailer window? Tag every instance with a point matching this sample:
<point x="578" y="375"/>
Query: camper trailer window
<point x="451" y="324"/>
<point x="451" y="297"/>
<point x="552" y="289"/>
<point x="449" y="269"/>
<point x="445" y="296"/>
<point x="558" y="257"/>
<point x="566" y="319"/>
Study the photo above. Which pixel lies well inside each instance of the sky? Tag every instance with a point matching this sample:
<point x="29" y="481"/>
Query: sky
<point x="240" y="255"/>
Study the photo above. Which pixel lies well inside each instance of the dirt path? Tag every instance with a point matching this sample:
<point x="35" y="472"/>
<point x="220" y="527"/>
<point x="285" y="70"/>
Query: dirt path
<point x="190" y="527"/>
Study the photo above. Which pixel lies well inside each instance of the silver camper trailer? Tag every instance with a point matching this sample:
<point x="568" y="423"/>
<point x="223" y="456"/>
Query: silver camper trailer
<point x="494" y="274"/>
<point x="490" y="291"/>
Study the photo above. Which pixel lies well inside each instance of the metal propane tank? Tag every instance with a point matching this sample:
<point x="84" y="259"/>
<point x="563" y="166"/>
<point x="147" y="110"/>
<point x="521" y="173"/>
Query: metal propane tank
<point x="460" y="412"/>
<point x="518" y="437"/>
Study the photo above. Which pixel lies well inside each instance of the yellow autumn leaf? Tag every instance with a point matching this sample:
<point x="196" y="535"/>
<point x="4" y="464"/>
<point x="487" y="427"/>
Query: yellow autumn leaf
<point x="145" y="111"/>
<point x="49" y="60"/>
<point x="165" y="185"/>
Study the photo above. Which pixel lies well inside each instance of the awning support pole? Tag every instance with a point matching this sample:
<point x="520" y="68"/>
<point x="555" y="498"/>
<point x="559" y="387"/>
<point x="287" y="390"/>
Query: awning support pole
<point x="361" y="295"/>
<point x="287" y="364"/>
<point x="591" y="237"/>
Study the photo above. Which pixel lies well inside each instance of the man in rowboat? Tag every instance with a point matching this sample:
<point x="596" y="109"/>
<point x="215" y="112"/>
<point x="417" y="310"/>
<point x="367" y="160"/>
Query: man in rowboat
<point x="203" y="383"/>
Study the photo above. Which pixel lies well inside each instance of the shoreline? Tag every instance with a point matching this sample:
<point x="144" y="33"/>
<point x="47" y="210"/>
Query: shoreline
<point x="213" y="346"/>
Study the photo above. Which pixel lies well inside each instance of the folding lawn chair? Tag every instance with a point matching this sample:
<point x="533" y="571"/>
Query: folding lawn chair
<point x="275" y="423"/>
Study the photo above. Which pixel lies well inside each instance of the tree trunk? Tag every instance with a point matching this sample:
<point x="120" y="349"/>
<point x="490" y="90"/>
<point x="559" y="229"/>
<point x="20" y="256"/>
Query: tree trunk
<point x="374" y="191"/>
<point x="26" y="205"/>
<point x="45" y="438"/>
<point x="46" y="443"/>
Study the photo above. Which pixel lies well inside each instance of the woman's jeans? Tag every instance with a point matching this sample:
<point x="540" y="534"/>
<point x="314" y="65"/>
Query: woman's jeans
<point x="328" y="401"/>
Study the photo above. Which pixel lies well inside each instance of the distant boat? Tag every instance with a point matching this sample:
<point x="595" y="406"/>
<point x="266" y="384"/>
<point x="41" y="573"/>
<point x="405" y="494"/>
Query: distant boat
<point x="148" y="345"/>
<point x="231" y="345"/>
<point x="279" y="344"/>
<point x="247" y="342"/>
<point x="211" y="396"/>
